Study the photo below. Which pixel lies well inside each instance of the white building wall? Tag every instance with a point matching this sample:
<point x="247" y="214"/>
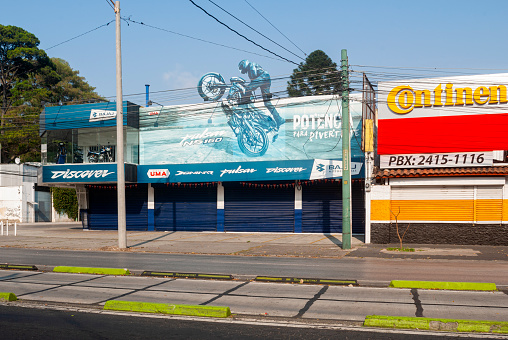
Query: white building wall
<point x="11" y="200"/>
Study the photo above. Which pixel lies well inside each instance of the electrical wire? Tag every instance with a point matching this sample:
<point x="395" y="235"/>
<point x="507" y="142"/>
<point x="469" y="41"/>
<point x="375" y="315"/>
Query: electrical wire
<point x="276" y="28"/>
<point x="241" y="35"/>
<point x="264" y="36"/>
<point x="199" y="39"/>
<point x="90" y="31"/>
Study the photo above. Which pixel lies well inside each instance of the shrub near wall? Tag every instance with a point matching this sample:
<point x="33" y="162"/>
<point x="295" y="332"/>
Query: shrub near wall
<point x="65" y="201"/>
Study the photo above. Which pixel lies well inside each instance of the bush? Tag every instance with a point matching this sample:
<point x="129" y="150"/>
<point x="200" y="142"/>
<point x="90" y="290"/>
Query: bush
<point x="65" y="201"/>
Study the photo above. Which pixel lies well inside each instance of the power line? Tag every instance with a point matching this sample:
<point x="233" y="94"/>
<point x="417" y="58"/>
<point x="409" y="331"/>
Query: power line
<point x="241" y="35"/>
<point x="257" y="31"/>
<point x="96" y="28"/>
<point x="276" y="28"/>
<point x="199" y="39"/>
<point x="111" y="4"/>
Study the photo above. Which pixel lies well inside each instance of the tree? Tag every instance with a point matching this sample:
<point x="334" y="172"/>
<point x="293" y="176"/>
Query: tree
<point x="29" y="80"/>
<point x="318" y="75"/>
<point x="71" y="88"/>
<point x="19" y="58"/>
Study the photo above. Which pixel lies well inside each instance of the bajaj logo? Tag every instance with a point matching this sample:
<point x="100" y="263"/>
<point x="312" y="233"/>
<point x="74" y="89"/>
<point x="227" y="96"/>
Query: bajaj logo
<point x="320" y="167"/>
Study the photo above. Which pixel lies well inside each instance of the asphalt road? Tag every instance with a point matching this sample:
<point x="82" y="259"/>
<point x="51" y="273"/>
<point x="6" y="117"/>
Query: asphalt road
<point x="28" y="323"/>
<point x="367" y="269"/>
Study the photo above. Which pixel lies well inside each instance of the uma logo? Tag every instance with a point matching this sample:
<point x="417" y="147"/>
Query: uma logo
<point x="320" y="167"/>
<point x="158" y="173"/>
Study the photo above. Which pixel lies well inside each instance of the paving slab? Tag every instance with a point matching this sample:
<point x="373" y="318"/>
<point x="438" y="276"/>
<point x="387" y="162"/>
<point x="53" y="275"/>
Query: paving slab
<point x="76" y="294"/>
<point x="197" y="286"/>
<point x="126" y="282"/>
<point x="371" y="294"/>
<point x="479" y="299"/>
<point x="168" y="297"/>
<point x="57" y="278"/>
<point x="20" y="289"/>
<point x="268" y="306"/>
<point x="356" y="311"/>
<point x="15" y="274"/>
<point x="265" y="289"/>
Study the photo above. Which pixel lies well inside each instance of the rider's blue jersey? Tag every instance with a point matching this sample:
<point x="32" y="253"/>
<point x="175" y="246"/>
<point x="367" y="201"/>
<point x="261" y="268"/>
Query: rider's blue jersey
<point x="254" y="71"/>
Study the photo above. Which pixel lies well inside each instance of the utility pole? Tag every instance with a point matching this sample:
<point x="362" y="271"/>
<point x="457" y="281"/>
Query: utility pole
<point x="346" y="156"/>
<point x="120" y="184"/>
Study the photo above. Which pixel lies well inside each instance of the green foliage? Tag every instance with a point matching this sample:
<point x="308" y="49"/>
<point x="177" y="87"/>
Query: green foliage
<point x="29" y="80"/>
<point x="318" y="75"/>
<point x="65" y="201"/>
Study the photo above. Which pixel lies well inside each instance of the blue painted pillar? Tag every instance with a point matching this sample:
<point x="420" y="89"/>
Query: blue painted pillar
<point x="298" y="207"/>
<point x="151" y="208"/>
<point x="147" y="87"/>
<point x="220" y="207"/>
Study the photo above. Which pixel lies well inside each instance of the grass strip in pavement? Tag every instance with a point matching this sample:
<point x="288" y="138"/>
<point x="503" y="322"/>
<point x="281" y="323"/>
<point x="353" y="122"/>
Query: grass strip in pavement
<point x="89" y="270"/>
<point x="165" y="308"/>
<point x="434" y="324"/>
<point x="481" y="286"/>
<point x="8" y="296"/>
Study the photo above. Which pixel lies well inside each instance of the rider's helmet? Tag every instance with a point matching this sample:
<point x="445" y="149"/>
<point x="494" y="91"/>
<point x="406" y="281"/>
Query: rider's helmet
<point x="243" y="66"/>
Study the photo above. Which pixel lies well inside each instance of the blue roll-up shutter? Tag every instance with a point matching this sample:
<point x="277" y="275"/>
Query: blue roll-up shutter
<point x="185" y="208"/>
<point x="102" y="211"/>
<point x="258" y="209"/>
<point x="322" y="207"/>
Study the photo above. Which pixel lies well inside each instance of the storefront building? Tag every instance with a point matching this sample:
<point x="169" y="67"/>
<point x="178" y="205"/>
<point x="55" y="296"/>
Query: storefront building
<point x="443" y="169"/>
<point x="209" y="167"/>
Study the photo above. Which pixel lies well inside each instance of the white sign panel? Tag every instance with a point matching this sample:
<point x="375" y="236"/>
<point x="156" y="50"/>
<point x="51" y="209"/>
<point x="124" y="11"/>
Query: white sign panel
<point x="96" y="115"/>
<point x="325" y="168"/>
<point x="437" y="160"/>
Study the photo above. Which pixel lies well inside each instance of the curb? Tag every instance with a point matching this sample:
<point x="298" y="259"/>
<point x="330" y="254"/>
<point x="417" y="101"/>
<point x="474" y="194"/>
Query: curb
<point x="8" y="296"/>
<point x="479" y="286"/>
<point x="164" y="308"/>
<point x="450" y="325"/>
<point x="18" y="266"/>
<point x="277" y="279"/>
<point x="90" y="270"/>
<point x="189" y="275"/>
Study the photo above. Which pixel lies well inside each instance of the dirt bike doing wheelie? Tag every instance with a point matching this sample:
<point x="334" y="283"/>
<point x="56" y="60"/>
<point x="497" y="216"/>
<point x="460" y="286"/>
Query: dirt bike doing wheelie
<point x="252" y="127"/>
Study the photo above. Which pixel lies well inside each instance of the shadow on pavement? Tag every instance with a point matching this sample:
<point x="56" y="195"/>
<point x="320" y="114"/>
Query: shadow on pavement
<point x="153" y="239"/>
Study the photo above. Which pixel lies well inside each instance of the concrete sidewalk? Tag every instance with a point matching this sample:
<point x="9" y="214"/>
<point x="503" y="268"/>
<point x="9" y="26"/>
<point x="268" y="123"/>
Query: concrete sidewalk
<point x="71" y="236"/>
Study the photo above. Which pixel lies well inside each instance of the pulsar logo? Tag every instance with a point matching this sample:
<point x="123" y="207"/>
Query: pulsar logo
<point x="238" y="170"/>
<point x="158" y="173"/>
<point x="205" y="137"/>
<point x="320" y="167"/>
<point x="81" y="174"/>
<point x="183" y="173"/>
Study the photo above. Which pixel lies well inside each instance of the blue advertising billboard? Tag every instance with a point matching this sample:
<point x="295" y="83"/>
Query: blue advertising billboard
<point x="197" y="143"/>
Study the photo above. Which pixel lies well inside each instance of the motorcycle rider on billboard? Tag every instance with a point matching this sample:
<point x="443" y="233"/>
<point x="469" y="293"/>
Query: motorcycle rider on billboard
<point x="260" y="78"/>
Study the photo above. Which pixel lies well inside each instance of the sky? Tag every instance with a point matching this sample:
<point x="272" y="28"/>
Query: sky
<point x="387" y="39"/>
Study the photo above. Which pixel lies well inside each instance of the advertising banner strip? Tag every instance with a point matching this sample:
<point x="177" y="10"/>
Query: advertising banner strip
<point x="246" y="171"/>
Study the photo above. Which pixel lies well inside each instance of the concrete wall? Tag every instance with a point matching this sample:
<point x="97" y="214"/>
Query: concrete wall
<point x="439" y="233"/>
<point x="11" y="201"/>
